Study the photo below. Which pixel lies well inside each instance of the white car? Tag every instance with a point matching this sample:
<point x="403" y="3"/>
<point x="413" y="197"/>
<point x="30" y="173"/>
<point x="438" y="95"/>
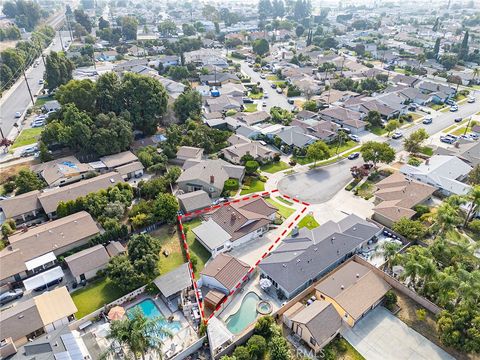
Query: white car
<point x="264" y="104"/>
<point x="354" y="138"/>
<point x="18" y="114"/>
<point x="471" y="100"/>
<point x="38" y="123"/>
<point x="397" y="135"/>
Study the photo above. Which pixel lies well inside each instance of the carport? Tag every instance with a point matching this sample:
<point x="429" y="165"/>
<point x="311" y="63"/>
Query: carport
<point x="43" y="278"/>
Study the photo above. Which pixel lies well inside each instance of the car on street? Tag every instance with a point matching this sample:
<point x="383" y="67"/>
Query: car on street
<point x="273" y="86"/>
<point x="450" y="102"/>
<point x="397" y="135"/>
<point x="291" y="101"/>
<point x="247" y="100"/>
<point x="457" y="120"/>
<point x="279" y="90"/>
<point x="250" y="65"/>
<point x="40" y="82"/>
<point x="453" y="108"/>
<point x="413" y="107"/>
<point x="264" y="104"/>
<point x="265" y="95"/>
<point x="29" y="151"/>
<point x="262" y="76"/>
<point x="353" y="156"/>
<point x="11" y="295"/>
<point x="354" y="138"/>
<point x="471" y="100"/>
<point x="428" y="120"/>
<point x="220" y="201"/>
<point x="473" y="136"/>
<point x="18" y="114"/>
<point x="447" y="139"/>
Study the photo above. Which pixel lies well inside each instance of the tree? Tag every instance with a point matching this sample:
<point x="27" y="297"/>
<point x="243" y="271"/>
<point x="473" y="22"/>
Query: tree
<point x="436" y="48"/>
<point x="107" y="90"/>
<point x="83" y="19"/>
<point x="8" y="227"/>
<point x="188" y="105"/>
<point x="167" y="28"/>
<point x="264" y="326"/>
<point x="27" y="14"/>
<point x="138" y="334"/>
<point x="376" y="152"/>
<point x="260" y="47"/>
<point x="310" y="105"/>
<point x="188" y="30"/>
<point x="299" y="30"/>
<point x="165" y="208"/>
<point x="58" y="70"/>
<point x="413" y="143"/>
<point x="279" y="349"/>
<point x="411" y="229"/>
<point x="473" y="198"/>
<point x="122" y="273"/>
<point x="447" y="217"/>
<point x="392" y="125"/>
<point x="26" y="180"/>
<point x="318" y="151"/>
<point x="390" y="250"/>
<point x="302" y="9"/>
<point x="102" y="23"/>
<point x="374" y="118"/>
<point x="129" y="25"/>
<point x="251" y="166"/>
<point x="81" y="93"/>
<point x="474" y="175"/>
<point x="178" y="72"/>
<point x="241" y="353"/>
<point x="257" y="346"/>
<point x="463" y="53"/>
<point x="143" y="254"/>
<point x="278" y="8"/>
<point x="264" y="9"/>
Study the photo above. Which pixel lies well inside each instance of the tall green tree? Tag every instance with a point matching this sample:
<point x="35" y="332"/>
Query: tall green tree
<point x="264" y="9"/>
<point x="81" y="93"/>
<point x="83" y="19"/>
<point x="414" y="143"/>
<point x="27" y="180"/>
<point x="436" y="48"/>
<point x="377" y="152"/>
<point x="374" y="118"/>
<point x="464" y="47"/>
<point x="58" y="70"/>
<point x="188" y="105"/>
<point x="260" y="47"/>
<point x="129" y="26"/>
<point x="318" y="151"/>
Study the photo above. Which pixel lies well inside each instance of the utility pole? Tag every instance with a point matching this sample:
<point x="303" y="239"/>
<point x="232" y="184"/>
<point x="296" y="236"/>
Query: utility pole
<point x="28" y="86"/>
<point x="468" y="126"/>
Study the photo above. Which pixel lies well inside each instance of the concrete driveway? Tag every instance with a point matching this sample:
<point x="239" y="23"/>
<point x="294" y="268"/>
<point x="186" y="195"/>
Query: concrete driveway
<point x="318" y="185"/>
<point x="381" y="335"/>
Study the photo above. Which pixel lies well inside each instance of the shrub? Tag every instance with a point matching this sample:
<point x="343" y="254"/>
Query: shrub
<point x="8" y="228"/>
<point x="421" y="314"/>
<point x="231" y="185"/>
<point x="230" y="112"/>
<point x="276" y="158"/>
<point x="9" y="186"/>
<point x="292" y="162"/>
<point x="390" y="299"/>
<point x="414" y="161"/>
<point x="257" y="346"/>
<point x="474" y="225"/>
<point x="421" y="209"/>
<point x="194" y="261"/>
<point x="251" y="166"/>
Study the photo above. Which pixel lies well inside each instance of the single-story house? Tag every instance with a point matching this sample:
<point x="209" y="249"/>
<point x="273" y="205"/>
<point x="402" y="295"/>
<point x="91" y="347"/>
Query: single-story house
<point x="252" y="118"/>
<point x="113" y="161"/>
<point x="294" y="136"/>
<point x="415" y="95"/>
<point x="130" y="170"/>
<point x="465" y="150"/>
<point x="52" y="105"/>
<point x="21" y="208"/>
<point x="234" y="225"/>
<point x="428" y="87"/>
<point x="405" y="80"/>
<point x="62" y="171"/>
<point x="316" y="324"/>
<point x="40" y="314"/>
<point x="174" y="282"/>
<point x="396" y="196"/>
<point x="321" y="129"/>
<point x="174" y="88"/>
<point x="349" y="119"/>
<point x="208" y="175"/>
<point x="259" y="152"/>
<point x="195" y="200"/>
<point x="35" y="250"/>
<point x="443" y="172"/>
<point x="223" y="103"/>
<point x="353" y="289"/>
<point x="219" y="79"/>
<point x="185" y="153"/>
<point x="85" y="264"/>
<point x="302" y="259"/>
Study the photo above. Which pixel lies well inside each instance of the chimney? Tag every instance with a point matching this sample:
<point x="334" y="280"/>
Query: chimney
<point x="342" y="287"/>
<point x="358" y="275"/>
<point x="212" y="179"/>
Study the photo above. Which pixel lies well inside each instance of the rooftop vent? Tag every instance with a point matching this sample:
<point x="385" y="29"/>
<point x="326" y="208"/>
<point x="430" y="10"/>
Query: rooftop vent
<point x="357" y="276"/>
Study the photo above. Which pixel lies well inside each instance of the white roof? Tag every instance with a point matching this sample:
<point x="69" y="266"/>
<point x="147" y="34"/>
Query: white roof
<point x="211" y="234"/>
<point x="43" y="278"/>
<point x="40" y="260"/>
<point x="218" y="334"/>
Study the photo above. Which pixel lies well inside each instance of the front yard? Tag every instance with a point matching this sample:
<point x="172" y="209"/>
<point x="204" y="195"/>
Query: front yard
<point x="365" y="190"/>
<point x="27" y="137"/>
<point x="250" y="107"/>
<point x="274" y="167"/>
<point x="309" y="222"/>
<point x="94" y="296"/>
<point x="283" y="210"/>
<point x="252" y="185"/>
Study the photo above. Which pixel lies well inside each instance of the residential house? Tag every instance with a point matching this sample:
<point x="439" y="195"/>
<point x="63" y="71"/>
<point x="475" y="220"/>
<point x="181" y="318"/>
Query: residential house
<point x="204" y="57"/>
<point x="443" y="172"/>
<point x="195" y="200"/>
<point x="36" y="249"/>
<point x="308" y="86"/>
<point x="333" y="96"/>
<point x="306" y="115"/>
<point x="174" y="88"/>
<point x="401" y="79"/>
<point x="174" y="282"/>
<point x="294" y="136"/>
<point x="234" y="225"/>
<point x="259" y="152"/>
<point x="233" y="89"/>
<point x="349" y="119"/>
<point x="302" y="259"/>
<point x="208" y="175"/>
<point x="428" y="87"/>
<point x="107" y="55"/>
<point x="52" y="105"/>
<point x="321" y="129"/>
<point x="353" y="289"/>
<point x="252" y="118"/>
<point x="129" y="171"/>
<point x="62" y="171"/>
<point x="85" y="264"/>
<point x="223" y="103"/>
<point x="111" y="162"/>
<point x="416" y="96"/>
<point x="386" y="112"/>
<point x="467" y="151"/>
<point x="40" y="314"/>
<point x="396" y="196"/>
<point x="316" y="324"/>
<point x="219" y="79"/>
<point x="220" y="276"/>
<point x="185" y="153"/>
<point x="21" y="208"/>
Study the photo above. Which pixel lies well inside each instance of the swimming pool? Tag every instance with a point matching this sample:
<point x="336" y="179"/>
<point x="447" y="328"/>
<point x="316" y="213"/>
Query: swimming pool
<point x="151" y="311"/>
<point x="245" y="315"/>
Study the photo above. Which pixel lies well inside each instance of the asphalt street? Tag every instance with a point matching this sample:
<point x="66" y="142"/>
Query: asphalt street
<point x="18" y="98"/>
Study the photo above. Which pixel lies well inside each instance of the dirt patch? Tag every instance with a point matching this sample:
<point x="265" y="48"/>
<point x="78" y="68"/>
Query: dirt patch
<point x="426" y="327"/>
<point x="9" y="171"/>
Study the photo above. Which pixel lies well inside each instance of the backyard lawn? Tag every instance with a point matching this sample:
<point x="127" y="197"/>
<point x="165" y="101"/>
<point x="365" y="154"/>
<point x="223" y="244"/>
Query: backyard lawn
<point x="309" y="222"/>
<point x="195" y="247"/>
<point x="284" y="211"/>
<point x="94" y="296"/>
<point x="252" y="185"/>
<point x="274" y="167"/>
<point x="42" y="100"/>
<point x="27" y="137"/>
<point x="170" y="241"/>
<point x="250" y="107"/>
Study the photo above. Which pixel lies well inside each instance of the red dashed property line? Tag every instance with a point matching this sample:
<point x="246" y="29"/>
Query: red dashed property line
<point x="245" y="278"/>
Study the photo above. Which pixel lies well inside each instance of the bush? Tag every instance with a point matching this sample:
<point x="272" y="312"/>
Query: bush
<point x="8" y="227"/>
<point x="414" y="161"/>
<point x="251" y="166"/>
<point x="9" y="186"/>
<point x="421" y="314"/>
<point x="237" y="55"/>
<point x="231" y="185"/>
<point x="230" y="112"/>
<point x="474" y="225"/>
<point x="194" y="261"/>
<point x="421" y="209"/>
<point x="292" y="162"/>
<point x="390" y="299"/>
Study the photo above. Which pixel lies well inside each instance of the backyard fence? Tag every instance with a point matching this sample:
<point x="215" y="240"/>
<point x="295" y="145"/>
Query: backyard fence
<point x="197" y="345"/>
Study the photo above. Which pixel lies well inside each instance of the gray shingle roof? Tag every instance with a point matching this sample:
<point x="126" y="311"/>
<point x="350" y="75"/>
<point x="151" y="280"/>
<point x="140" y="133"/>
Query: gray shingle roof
<point x="194" y="200"/>
<point x="174" y="281"/>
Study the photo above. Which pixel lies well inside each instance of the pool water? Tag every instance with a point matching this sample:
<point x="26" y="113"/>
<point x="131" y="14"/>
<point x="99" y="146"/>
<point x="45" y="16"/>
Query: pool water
<point x="151" y="311"/>
<point x="246" y="314"/>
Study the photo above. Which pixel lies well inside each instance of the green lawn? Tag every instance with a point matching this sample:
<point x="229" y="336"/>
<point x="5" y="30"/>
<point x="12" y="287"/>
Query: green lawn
<point x="415" y="116"/>
<point x="274" y="167"/>
<point x="309" y="222"/>
<point x="400" y="70"/>
<point x="365" y="190"/>
<point x="436" y="106"/>
<point x="450" y="128"/>
<point x="256" y="96"/>
<point x="171" y="245"/>
<point x="285" y="201"/>
<point x="94" y="296"/>
<point x="280" y="82"/>
<point x="195" y="247"/>
<point x="42" y="100"/>
<point x="27" y="137"/>
<point x="284" y="211"/>
<point x="272" y="77"/>
<point x="344" y="147"/>
<point x="379" y="131"/>
<point x="252" y="185"/>
<point x="426" y="150"/>
<point x="460" y="131"/>
<point x="250" y="107"/>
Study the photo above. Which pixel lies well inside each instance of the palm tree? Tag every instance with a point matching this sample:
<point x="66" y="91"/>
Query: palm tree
<point x="473" y="197"/>
<point x="341" y="138"/>
<point x="476" y="73"/>
<point x="390" y="250"/>
<point x="447" y="217"/>
<point x="138" y="334"/>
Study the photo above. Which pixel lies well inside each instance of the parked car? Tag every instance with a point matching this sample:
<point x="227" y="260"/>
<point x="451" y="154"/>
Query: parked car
<point x="428" y="120"/>
<point x="291" y="101"/>
<point x="450" y="102"/>
<point x="354" y="138"/>
<point x="353" y="156"/>
<point x="11" y="295"/>
<point x="264" y="104"/>
<point x="38" y="123"/>
<point x="262" y="76"/>
<point x="265" y="95"/>
<point x="345" y="130"/>
<point x="247" y="100"/>
<point x="279" y="90"/>
<point x="29" y="151"/>
<point x="447" y="140"/>
<point x="474" y="136"/>
<point x="397" y="135"/>
<point x="457" y="120"/>
<point x="220" y="201"/>
<point x="273" y="86"/>
<point x="453" y="108"/>
<point x="18" y="114"/>
<point x="471" y="99"/>
<point x="40" y="82"/>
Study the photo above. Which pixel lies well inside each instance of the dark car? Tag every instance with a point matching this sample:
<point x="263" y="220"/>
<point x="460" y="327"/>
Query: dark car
<point x="273" y="86"/>
<point x="247" y="100"/>
<point x="11" y="295"/>
<point x="353" y="156"/>
<point x="457" y="120"/>
<point x="291" y="101"/>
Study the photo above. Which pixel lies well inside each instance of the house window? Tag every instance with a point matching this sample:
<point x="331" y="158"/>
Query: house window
<point x="322" y="297"/>
<point x="313" y="341"/>
<point x="220" y="248"/>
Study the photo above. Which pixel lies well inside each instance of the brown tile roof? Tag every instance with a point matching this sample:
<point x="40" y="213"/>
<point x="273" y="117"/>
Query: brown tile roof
<point x="37" y="241"/>
<point x="354" y="287"/>
<point x="226" y="269"/>
<point x="20" y="204"/>
<point x="87" y="260"/>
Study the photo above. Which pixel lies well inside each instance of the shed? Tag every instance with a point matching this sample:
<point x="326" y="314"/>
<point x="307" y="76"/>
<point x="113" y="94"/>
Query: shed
<point x="175" y="281"/>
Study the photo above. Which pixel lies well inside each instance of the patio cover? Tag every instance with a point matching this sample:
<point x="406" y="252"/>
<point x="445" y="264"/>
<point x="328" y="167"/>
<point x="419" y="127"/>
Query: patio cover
<point x="39" y="261"/>
<point x="174" y="281"/>
<point x="218" y="334"/>
<point x="211" y="234"/>
<point x="43" y="278"/>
